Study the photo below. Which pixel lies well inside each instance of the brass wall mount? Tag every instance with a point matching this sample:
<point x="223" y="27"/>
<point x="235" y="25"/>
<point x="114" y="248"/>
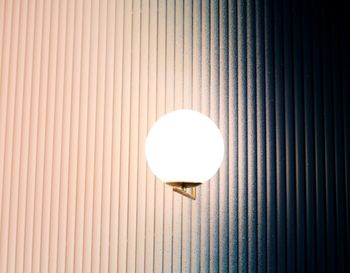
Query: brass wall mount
<point x="185" y="188"/>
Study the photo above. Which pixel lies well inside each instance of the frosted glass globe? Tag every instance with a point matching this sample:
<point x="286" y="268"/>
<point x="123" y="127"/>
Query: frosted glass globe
<point x="184" y="146"/>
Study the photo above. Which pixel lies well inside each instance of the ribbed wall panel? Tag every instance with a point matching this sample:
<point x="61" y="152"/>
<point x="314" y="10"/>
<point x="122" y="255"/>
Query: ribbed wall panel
<point x="82" y="82"/>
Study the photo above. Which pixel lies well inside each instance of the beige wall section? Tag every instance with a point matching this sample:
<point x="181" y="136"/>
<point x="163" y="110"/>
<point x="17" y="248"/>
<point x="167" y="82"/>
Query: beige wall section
<point x="81" y="82"/>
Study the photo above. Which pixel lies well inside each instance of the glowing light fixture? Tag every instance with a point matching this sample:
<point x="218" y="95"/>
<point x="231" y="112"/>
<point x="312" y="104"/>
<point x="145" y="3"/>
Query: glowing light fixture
<point x="184" y="149"/>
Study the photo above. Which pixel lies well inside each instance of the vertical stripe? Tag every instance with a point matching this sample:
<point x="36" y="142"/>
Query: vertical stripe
<point x="99" y="140"/>
<point x="233" y="135"/>
<point x="215" y="115"/>
<point x="299" y="139"/>
<point x="178" y="104"/>
<point x="134" y="124"/>
<point x="22" y="195"/>
<point x="142" y="171"/>
<point x="261" y="135"/>
<point x="169" y="106"/>
<point x="338" y="153"/>
<point x="17" y="145"/>
<point x="205" y="108"/>
<point x="271" y="208"/>
<point x="34" y="73"/>
<point x="252" y="142"/>
<point x="329" y="145"/>
<point x="116" y="136"/>
<point x="4" y="70"/>
<point x="58" y="97"/>
<point x="224" y="128"/>
<point x="290" y="139"/>
<point x="196" y="105"/>
<point x="74" y="137"/>
<point x="309" y="140"/>
<point x="280" y="141"/>
<point x="125" y="139"/>
<point x="7" y="191"/>
<point x="160" y="110"/>
<point x="242" y="138"/>
<point x="344" y="41"/>
<point x="66" y="126"/>
<point x="319" y="146"/>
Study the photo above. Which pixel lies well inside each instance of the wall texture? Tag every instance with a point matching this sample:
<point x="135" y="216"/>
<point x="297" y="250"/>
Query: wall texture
<point x="81" y="82"/>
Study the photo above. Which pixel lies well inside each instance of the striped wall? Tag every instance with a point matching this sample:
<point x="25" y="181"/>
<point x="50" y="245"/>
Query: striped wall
<point x="82" y="81"/>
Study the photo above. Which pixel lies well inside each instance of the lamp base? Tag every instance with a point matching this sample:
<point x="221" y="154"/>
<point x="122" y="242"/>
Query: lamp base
<point x="181" y="188"/>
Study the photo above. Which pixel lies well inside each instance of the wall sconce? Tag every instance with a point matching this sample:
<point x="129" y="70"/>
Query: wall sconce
<point x="184" y="149"/>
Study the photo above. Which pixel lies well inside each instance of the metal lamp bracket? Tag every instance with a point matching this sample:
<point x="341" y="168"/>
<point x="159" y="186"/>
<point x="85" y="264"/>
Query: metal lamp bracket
<point x="185" y="188"/>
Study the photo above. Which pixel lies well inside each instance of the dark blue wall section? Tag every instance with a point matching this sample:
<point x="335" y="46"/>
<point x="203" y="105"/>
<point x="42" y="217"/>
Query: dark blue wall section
<point x="288" y="96"/>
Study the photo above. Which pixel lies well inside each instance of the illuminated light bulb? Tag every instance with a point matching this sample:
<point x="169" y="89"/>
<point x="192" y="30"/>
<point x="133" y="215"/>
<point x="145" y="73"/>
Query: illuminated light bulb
<point x="184" y="146"/>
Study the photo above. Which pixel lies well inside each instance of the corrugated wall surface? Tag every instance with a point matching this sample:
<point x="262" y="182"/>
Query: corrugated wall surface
<point x="81" y="82"/>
